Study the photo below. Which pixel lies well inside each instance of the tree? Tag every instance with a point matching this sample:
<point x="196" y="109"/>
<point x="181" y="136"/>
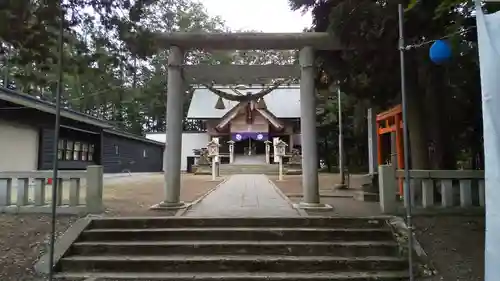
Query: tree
<point x="373" y="73"/>
<point x="113" y="68"/>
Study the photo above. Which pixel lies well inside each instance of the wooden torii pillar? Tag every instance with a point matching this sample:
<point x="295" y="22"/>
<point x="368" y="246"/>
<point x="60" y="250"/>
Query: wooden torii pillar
<point x="179" y="73"/>
<point x="388" y="122"/>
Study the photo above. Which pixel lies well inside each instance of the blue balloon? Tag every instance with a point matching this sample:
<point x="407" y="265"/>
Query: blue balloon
<point x="440" y="52"/>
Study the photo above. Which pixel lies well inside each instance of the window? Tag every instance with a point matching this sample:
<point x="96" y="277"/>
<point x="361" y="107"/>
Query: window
<point x="85" y="149"/>
<point x="145" y="153"/>
<point x="77" y="151"/>
<point x="60" y="150"/>
<point x="69" y="150"/>
<point x="91" y="153"/>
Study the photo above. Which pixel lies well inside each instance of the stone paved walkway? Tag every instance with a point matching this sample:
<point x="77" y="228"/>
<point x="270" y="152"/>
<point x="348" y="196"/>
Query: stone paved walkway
<point x="244" y="196"/>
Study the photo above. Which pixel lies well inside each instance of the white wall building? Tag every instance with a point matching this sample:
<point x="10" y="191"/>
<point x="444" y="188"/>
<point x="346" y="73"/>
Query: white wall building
<point x="248" y="124"/>
<point x="190" y="141"/>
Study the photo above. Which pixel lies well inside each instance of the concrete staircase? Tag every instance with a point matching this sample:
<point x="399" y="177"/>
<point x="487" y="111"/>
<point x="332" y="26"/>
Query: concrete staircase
<point x="234" y="249"/>
<point x="234" y="169"/>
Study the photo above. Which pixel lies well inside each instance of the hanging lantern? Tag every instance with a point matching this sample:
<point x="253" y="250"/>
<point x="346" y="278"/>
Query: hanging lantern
<point x="440" y="52"/>
<point x="220" y="104"/>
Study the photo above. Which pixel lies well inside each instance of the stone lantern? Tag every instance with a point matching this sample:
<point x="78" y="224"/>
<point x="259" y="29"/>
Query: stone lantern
<point x="281" y="148"/>
<point x="280" y="152"/>
<point x="213" y="152"/>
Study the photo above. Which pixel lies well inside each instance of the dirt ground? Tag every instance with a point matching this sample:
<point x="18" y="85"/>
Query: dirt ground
<point x="454" y="244"/>
<point x="292" y="185"/>
<point x="341" y="200"/>
<point x="133" y="196"/>
<point x="24" y="238"/>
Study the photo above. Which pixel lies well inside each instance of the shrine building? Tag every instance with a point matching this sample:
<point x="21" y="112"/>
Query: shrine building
<point x="249" y="124"/>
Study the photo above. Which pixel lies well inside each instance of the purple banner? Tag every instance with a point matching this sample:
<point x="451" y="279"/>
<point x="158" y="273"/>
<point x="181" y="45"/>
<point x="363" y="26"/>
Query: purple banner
<point x="248" y="135"/>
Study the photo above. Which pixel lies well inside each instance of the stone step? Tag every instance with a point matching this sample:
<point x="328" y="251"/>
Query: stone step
<point x="235" y="249"/>
<point x="270" y="168"/>
<point x="366" y="196"/>
<point x="228" y="173"/>
<point x="266" y="169"/>
<point x="248" y="170"/>
<point x="249" y="166"/>
<point x="238" y="233"/>
<point x="239" y="276"/>
<point x="234" y="263"/>
<point x="183" y="222"/>
<point x="290" y="248"/>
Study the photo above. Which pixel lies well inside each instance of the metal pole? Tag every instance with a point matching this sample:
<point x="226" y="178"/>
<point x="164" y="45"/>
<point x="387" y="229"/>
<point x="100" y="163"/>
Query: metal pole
<point x="405" y="142"/>
<point x="55" y="159"/>
<point x="341" y="141"/>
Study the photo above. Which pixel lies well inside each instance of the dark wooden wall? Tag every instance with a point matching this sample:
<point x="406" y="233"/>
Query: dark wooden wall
<point x="121" y="154"/>
<point x="46" y="151"/>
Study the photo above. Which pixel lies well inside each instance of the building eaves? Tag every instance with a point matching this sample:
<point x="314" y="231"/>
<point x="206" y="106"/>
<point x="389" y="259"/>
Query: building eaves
<point x="48" y="107"/>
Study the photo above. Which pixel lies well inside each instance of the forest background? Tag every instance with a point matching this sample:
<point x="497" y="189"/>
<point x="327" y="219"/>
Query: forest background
<point x="114" y="70"/>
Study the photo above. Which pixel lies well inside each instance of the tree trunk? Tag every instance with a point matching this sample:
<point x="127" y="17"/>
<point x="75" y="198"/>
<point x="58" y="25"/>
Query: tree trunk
<point x="327" y="159"/>
<point x="419" y="154"/>
<point x="441" y="150"/>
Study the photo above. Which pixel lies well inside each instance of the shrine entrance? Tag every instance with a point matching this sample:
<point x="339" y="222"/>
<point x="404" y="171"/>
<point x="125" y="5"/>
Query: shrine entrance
<point x="180" y="74"/>
<point x="249" y="144"/>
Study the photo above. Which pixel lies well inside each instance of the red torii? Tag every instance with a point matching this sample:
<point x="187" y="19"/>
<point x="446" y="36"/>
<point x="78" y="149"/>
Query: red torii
<point x="387" y="122"/>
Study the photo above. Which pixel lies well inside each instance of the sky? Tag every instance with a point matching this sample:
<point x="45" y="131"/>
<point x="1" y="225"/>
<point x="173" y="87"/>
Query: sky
<point x="258" y="15"/>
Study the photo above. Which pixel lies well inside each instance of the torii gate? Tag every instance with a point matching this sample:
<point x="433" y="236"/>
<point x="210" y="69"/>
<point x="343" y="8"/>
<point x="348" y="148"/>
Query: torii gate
<point x="180" y="42"/>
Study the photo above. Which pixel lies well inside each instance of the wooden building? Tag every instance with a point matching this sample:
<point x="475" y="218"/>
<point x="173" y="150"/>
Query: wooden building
<point x="248" y="124"/>
<point x="27" y="140"/>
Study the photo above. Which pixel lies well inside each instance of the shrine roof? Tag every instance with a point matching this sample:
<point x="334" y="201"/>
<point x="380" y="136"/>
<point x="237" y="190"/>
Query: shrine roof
<point x="283" y="102"/>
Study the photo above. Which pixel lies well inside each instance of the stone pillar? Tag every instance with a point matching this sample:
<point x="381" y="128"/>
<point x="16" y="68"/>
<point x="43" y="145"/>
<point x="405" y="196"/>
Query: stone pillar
<point x="93" y="197"/>
<point x="268" y="151"/>
<point x="173" y="144"/>
<point x="372" y="141"/>
<point x="280" y="171"/>
<point x="231" y="151"/>
<point x="387" y="189"/>
<point x="214" y="168"/>
<point x="308" y="125"/>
